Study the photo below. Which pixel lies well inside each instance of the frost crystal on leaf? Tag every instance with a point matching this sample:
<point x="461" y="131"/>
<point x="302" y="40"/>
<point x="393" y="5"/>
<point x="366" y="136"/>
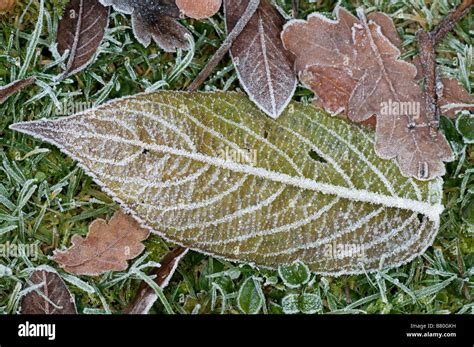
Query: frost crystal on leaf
<point x="306" y="303"/>
<point x="51" y="297"/>
<point x="211" y="172"/>
<point x="294" y="275"/>
<point x="250" y="298"/>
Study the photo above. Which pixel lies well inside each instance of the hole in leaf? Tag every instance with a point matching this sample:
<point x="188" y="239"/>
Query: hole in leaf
<point x="420" y="217"/>
<point x="316" y="157"/>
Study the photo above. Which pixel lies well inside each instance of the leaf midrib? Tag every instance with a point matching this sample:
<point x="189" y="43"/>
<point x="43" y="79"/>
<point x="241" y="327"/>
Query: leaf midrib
<point x="432" y="211"/>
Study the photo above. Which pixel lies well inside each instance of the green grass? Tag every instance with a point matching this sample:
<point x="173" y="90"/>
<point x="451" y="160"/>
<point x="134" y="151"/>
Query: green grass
<point x="45" y="198"/>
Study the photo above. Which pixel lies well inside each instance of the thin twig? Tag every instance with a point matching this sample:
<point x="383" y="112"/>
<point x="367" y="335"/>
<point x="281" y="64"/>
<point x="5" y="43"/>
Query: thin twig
<point x="146" y="296"/>
<point x="460" y="264"/>
<point x="449" y="22"/>
<point x="347" y="292"/>
<point x="427" y="42"/>
<point x="296" y="8"/>
<point x="11" y="88"/>
<point x="226" y="45"/>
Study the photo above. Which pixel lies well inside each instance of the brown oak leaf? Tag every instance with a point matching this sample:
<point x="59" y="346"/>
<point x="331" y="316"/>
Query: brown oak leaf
<point x="59" y="299"/>
<point x="199" y="9"/>
<point x="107" y="246"/>
<point x="353" y="65"/>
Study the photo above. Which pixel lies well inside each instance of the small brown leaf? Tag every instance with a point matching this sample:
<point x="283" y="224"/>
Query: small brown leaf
<point x="53" y="288"/>
<point x="107" y="247"/>
<point x="265" y="68"/>
<point x="154" y="20"/>
<point x="199" y="9"/>
<point x="353" y="67"/>
<point x="454" y="98"/>
<point x="81" y="31"/>
<point x="14" y="87"/>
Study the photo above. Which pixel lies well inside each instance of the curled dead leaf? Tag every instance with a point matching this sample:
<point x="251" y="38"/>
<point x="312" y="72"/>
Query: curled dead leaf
<point x="154" y="20"/>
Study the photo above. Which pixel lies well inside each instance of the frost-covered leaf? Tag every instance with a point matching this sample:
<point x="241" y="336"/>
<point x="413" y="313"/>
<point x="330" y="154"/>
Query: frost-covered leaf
<point x="454" y="98"/>
<point x="465" y="126"/>
<point x="351" y="65"/>
<point x="81" y="31"/>
<point x="211" y="172"/>
<point x="51" y="297"/>
<point x="250" y="298"/>
<point x="107" y="246"/>
<point x="264" y="67"/>
<point x="199" y="9"/>
<point x="306" y="303"/>
<point x="154" y="20"/>
<point x="294" y="275"/>
<point x="14" y="87"/>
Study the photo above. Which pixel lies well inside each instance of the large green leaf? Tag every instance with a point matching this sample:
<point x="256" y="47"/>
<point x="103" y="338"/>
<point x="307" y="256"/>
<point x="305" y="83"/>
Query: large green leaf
<point x="211" y="172"/>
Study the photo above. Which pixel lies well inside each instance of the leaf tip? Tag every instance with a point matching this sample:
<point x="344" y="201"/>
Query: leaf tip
<point x="23" y="127"/>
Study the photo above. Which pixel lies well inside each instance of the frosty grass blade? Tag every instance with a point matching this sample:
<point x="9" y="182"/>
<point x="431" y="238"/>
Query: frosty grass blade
<point x="211" y="172"/>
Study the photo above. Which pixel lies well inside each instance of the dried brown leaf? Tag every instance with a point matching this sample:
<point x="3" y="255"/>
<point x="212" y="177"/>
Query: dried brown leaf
<point x="199" y="9"/>
<point x="54" y="289"/>
<point x="107" y="246"/>
<point x="454" y="98"/>
<point x="264" y="67"/>
<point x="352" y="66"/>
<point x="14" y="87"/>
<point x="154" y="20"/>
<point x="81" y="31"/>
